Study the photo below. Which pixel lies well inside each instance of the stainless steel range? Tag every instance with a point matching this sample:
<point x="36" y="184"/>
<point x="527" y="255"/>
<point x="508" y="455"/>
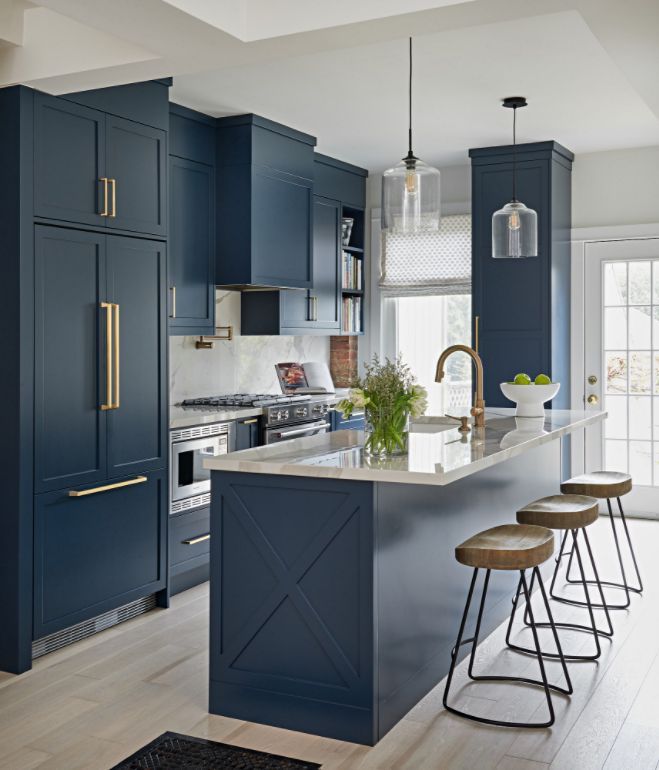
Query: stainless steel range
<point x="284" y="417"/>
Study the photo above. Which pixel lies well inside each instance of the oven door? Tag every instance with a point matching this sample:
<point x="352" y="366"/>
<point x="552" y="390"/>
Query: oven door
<point x="189" y="477"/>
<point x="283" y="433"/>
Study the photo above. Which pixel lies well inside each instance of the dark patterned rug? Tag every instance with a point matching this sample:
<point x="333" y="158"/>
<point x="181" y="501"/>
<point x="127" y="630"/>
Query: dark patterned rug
<point x="171" y="751"/>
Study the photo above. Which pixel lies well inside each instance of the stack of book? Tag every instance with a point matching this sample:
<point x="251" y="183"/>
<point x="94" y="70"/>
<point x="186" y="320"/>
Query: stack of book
<point x="352" y="314"/>
<point x="352" y="272"/>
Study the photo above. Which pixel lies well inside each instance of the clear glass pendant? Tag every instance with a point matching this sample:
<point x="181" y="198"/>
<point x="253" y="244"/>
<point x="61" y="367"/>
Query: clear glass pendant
<point x="410" y="197"/>
<point x="514" y="232"/>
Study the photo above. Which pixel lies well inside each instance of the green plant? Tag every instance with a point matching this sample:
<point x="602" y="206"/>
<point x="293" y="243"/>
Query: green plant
<point x="389" y="395"/>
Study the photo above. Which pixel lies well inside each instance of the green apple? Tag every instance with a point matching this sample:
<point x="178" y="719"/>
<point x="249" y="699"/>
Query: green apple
<point x="522" y="379"/>
<point x="543" y="379"/>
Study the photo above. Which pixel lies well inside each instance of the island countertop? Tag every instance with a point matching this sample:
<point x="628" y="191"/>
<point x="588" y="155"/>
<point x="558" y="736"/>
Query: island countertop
<point x="438" y="453"/>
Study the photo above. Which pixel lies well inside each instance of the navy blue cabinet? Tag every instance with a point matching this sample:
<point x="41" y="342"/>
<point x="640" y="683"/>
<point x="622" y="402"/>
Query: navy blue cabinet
<point x="97" y="169"/>
<point x="189" y="549"/>
<point x="355" y="422"/>
<point x="264" y="204"/>
<point x="248" y="433"/>
<point x="98" y="551"/>
<point x="523" y="304"/>
<point x="191" y="223"/>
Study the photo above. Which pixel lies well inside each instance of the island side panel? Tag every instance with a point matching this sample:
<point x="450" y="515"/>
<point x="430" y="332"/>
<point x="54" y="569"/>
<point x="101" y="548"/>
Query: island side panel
<point x="421" y="589"/>
<point x="291" y="637"/>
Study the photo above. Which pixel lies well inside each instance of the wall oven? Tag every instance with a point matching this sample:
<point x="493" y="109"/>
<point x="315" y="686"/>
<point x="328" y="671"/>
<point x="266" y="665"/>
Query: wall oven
<point x="276" y="434"/>
<point x="190" y="482"/>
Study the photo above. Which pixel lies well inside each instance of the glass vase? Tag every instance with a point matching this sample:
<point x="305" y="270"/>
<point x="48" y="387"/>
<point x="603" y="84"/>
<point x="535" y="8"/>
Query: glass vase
<point x="386" y="432"/>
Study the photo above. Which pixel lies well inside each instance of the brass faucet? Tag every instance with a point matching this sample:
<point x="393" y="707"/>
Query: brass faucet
<point x="478" y="409"/>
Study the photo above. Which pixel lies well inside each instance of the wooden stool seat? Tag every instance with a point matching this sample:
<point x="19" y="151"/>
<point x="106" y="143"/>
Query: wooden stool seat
<point x="560" y="512"/>
<point x="600" y="484"/>
<point x="509" y="546"/>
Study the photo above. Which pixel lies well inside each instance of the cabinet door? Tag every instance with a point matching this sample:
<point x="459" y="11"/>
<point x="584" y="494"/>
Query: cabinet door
<point x="70" y="344"/>
<point x="69" y="161"/>
<point x="96" y="552"/>
<point x="248" y="433"/>
<point x="137" y="429"/>
<point x="136" y="166"/>
<point x="191" y="247"/>
<point x="281" y="229"/>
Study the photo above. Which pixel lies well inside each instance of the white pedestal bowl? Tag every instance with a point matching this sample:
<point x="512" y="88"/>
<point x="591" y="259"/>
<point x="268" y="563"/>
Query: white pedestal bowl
<point x="530" y="399"/>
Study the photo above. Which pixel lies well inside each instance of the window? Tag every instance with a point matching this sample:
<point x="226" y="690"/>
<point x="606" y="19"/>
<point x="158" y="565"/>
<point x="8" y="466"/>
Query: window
<point x="426" y="307"/>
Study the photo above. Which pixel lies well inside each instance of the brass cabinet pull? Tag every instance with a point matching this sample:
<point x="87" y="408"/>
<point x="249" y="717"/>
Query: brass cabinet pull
<point x="113" y="182"/>
<point x="107" y="306"/>
<point x="250" y="422"/>
<point x="173" y="291"/>
<point x="117" y="341"/>
<point x="477" y="323"/>
<point x="195" y="540"/>
<point x="313" y="308"/>
<point x="107" y="487"/>
<point x="105" y="211"/>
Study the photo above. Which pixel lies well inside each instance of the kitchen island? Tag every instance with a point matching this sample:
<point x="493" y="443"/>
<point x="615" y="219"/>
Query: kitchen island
<point x="335" y="595"/>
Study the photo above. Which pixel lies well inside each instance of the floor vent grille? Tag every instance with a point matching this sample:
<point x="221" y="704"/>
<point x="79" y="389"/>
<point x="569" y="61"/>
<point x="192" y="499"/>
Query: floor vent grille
<point x="92" y="626"/>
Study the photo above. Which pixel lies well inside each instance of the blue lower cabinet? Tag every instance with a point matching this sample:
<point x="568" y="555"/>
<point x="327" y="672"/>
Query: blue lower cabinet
<point x="356" y="422"/>
<point x="189" y="547"/>
<point x="248" y="433"/>
<point x="98" y="550"/>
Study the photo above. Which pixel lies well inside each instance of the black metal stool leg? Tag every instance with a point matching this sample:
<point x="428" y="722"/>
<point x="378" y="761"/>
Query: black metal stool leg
<point x="639" y="589"/>
<point x="474" y="641"/>
<point x="558" y="559"/>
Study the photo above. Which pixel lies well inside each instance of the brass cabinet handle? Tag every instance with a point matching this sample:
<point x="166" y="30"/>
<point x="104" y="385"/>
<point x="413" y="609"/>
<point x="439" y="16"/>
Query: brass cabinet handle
<point x="105" y="211"/>
<point x="107" y="306"/>
<point x="173" y="291"/>
<point x="249" y="422"/>
<point x="313" y="311"/>
<point x="113" y="182"/>
<point x="107" y="487"/>
<point x="117" y="341"/>
<point x="195" y="540"/>
<point x="477" y="323"/>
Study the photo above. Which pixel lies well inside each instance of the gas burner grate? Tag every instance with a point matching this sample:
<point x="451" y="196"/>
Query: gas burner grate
<point x="244" y="400"/>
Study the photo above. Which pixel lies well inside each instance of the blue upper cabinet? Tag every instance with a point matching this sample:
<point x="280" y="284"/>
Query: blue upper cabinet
<point x="97" y="169"/>
<point x="191" y="222"/>
<point x="264" y="204"/>
<point x="523" y="304"/>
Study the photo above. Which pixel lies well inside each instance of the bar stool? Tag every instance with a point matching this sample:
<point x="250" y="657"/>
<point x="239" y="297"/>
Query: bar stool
<point x="573" y="514"/>
<point x="605" y="485"/>
<point x="507" y="547"/>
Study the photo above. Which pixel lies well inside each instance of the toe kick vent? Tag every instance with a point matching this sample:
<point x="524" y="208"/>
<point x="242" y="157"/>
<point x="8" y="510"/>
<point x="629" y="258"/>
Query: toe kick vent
<point x="92" y="626"/>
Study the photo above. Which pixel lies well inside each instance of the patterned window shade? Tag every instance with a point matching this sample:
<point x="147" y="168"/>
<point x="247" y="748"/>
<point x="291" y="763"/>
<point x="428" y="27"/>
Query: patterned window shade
<point x="428" y="263"/>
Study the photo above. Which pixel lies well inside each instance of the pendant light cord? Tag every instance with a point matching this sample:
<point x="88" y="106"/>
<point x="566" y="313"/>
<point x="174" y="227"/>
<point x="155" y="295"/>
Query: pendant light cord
<point x="515" y="154"/>
<point x="410" y="105"/>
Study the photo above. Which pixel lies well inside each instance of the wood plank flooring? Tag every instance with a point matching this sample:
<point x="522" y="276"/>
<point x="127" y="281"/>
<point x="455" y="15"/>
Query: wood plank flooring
<point x="90" y="705"/>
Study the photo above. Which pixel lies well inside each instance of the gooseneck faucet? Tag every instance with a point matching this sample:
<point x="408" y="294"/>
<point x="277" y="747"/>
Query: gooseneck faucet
<point x="478" y="409"/>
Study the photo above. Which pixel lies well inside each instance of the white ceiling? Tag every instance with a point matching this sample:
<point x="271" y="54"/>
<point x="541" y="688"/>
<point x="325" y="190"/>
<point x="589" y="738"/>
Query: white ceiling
<point x="338" y="69"/>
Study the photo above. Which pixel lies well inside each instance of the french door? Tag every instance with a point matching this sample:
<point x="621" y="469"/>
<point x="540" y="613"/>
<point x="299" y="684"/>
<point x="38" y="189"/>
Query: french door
<point x="622" y="363"/>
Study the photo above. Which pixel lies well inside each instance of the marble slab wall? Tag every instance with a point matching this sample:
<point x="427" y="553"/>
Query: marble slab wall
<point x="246" y="364"/>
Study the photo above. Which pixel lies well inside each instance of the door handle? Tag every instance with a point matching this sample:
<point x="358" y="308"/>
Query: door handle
<point x="314" y="308"/>
<point x="249" y="422"/>
<point x="113" y="182"/>
<point x="592" y="399"/>
<point x="172" y="289"/>
<point x="107" y="306"/>
<point x="592" y="380"/>
<point x="105" y="211"/>
<point x="117" y="342"/>
<point x="195" y="540"/>
<point x="107" y="487"/>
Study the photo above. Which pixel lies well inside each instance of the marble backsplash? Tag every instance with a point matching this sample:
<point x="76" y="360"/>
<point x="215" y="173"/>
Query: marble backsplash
<point x="246" y="364"/>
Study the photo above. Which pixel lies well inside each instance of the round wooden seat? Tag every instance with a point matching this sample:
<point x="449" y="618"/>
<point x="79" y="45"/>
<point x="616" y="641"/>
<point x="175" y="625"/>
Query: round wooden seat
<point x="599" y="484"/>
<point x="560" y="512"/>
<point x="510" y="546"/>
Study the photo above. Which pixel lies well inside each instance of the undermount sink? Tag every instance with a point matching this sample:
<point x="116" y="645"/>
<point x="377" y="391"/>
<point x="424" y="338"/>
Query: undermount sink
<point x="439" y="423"/>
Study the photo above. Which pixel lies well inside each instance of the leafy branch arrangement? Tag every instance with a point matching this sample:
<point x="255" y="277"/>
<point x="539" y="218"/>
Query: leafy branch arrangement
<point x="389" y="395"/>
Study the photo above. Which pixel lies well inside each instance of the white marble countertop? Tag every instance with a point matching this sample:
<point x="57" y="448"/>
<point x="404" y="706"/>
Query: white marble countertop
<point x="438" y="453"/>
<point x="187" y="416"/>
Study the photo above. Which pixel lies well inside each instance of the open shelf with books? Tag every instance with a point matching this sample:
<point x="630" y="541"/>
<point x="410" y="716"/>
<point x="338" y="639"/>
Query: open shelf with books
<point x="352" y="271"/>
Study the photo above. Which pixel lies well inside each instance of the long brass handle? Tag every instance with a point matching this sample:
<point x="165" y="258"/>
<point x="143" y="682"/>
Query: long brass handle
<point x="113" y="182"/>
<point x="107" y="306"/>
<point x="173" y="291"/>
<point x="107" y="487"/>
<point x="477" y="323"/>
<point x="105" y="211"/>
<point x="195" y="540"/>
<point x="117" y="342"/>
<point x="250" y="422"/>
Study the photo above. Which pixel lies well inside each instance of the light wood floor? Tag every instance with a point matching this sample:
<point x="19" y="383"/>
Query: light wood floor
<point x="94" y="703"/>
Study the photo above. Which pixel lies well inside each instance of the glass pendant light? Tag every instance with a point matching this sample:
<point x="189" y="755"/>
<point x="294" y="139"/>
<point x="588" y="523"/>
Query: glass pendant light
<point x="514" y="227"/>
<point x="410" y="190"/>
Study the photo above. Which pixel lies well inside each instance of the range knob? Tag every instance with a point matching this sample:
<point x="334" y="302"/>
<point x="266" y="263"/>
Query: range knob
<point x="285" y="414"/>
<point x="278" y="414"/>
<point x="301" y="411"/>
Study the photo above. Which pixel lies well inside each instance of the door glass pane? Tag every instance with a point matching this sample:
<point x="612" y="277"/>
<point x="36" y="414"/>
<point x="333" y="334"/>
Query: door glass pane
<point x="615" y="283"/>
<point x="616" y="372"/>
<point x="615" y="456"/>
<point x="640" y="375"/>
<point x="640" y="462"/>
<point x="640" y="283"/>
<point x="616" y="424"/>
<point x="640" y="417"/>
<point x="640" y="327"/>
<point x="615" y="328"/>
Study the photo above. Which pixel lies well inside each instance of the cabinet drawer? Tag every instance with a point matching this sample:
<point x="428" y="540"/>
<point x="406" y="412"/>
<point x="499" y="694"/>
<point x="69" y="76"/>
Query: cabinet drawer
<point x="97" y="551"/>
<point x="356" y="422"/>
<point x="189" y="539"/>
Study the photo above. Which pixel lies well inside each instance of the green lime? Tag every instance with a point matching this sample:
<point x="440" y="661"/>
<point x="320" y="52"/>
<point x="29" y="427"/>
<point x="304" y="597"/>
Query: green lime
<point x="522" y="379"/>
<point x="543" y="379"/>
